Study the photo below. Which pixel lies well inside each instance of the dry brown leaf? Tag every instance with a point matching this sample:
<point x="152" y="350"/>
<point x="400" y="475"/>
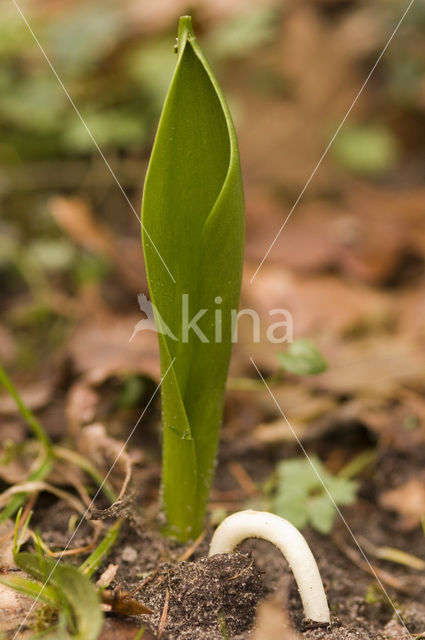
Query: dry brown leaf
<point x="411" y="311"/>
<point x="102" y="348"/>
<point x="81" y="404"/>
<point x="107" y="576"/>
<point x="408" y="501"/>
<point x="35" y="396"/>
<point x="398" y="421"/>
<point x="307" y="241"/>
<point x="20" y="465"/>
<point x="322" y="308"/>
<point x="376" y="365"/>
<point x="76" y="219"/>
<point x="282" y="136"/>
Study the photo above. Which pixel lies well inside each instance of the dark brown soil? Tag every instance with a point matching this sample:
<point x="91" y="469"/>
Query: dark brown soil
<point x="211" y="599"/>
<point x="202" y="596"/>
<point x="206" y="598"/>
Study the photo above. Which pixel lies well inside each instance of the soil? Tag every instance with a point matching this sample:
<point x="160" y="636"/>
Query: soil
<point x="214" y="598"/>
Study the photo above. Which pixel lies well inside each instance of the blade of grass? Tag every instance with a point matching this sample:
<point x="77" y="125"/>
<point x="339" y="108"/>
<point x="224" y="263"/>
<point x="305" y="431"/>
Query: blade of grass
<point x="89" y="566"/>
<point x="85" y="465"/>
<point x="40" y="434"/>
<point x="18" y="499"/>
<point x="26" y="413"/>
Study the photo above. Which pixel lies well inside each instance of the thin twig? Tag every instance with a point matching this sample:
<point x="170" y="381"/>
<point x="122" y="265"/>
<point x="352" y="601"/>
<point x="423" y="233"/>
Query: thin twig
<point x="190" y="550"/>
<point x="243" y="479"/>
<point x="163" y="620"/>
<point x="384" y="576"/>
<point x="146" y="581"/>
<point x="242" y="571"/>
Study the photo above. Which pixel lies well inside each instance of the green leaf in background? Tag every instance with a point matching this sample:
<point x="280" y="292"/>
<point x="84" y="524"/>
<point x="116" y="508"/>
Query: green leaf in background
<point x="253" y="28"/>
<point x="367" y="150"/>
<point x="193" y="216"/>
<point x="110" y="128"/>
<point x="302" y="358"/>
<point x="301" y="498"/>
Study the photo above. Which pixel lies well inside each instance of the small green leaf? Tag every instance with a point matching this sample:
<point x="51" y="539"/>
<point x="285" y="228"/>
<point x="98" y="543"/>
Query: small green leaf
<point x="366" y="149"/>
<point x="302" y="358"/>
<point x="292" y="506"/>
<point x="321" y="513"/>
<point x="94" y="560"/>
<point x="342" y="491"/>
<point x="295" y="473"/>
<point x="305" y="493"/>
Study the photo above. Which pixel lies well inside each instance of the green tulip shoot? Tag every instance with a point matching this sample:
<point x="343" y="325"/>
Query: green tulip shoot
<point x="193" y="239"/>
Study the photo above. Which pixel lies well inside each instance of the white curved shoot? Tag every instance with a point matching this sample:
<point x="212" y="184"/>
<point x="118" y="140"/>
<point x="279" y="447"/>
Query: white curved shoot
<point x="260" y="524"/>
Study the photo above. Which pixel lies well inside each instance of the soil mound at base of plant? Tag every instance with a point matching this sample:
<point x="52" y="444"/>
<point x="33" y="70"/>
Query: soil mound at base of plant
<point x="211" y="598"/>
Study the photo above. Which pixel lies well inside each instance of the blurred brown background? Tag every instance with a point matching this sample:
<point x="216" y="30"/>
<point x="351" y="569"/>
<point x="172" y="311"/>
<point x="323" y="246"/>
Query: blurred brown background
<point x="349" y="264"/>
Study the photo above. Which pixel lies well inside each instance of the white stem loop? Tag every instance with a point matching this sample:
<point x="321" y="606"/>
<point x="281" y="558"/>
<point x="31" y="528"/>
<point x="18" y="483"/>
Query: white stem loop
<point x="260" y="524"/>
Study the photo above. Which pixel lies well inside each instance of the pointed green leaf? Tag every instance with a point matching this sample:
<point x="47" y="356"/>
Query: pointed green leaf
<point x="32" y="589"/>
<point x="193" y="239"/>
<point x="75" y="593"/>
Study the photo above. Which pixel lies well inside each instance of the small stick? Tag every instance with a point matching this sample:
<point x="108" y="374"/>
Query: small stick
<point x="243" y="479"/>
<point x="374" y="571"/>
<point x="164" y="614"/>
<point x="146" y="580"/>
<point x="242" y="571"/>
<point x="98" y="526"/>
<point x="186" y="554"/>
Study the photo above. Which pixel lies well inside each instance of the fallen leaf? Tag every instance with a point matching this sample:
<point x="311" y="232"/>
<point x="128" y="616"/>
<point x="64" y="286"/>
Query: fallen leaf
<point x="408" y="501"/>
<point x="102" y="348"/>
<point x="376" y="365"/>
<point x="322" y="308"/>
<point x="75" y="217"/>
<point x="35" y="396"/>
<point x="81" y="404"/>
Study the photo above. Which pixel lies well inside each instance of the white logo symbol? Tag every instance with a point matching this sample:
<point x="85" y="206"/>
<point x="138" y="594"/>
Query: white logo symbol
<point x="153" y="320"/>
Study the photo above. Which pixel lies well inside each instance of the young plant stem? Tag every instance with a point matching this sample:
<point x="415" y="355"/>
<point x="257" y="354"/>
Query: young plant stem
<point x="193" y="217"/>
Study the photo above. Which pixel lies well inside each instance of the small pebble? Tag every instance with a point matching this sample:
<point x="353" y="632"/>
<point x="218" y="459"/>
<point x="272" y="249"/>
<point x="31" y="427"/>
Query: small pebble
<point x="129" y="554"/>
